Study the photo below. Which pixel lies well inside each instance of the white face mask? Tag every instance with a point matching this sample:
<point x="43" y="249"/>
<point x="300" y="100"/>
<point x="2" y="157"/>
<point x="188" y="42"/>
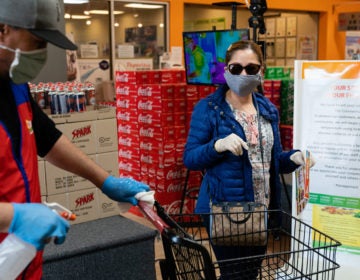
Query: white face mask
<point x="242" y="85"/>
<point x="26" y="64"/>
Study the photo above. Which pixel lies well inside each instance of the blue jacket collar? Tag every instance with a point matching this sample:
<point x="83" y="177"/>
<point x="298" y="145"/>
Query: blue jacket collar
<point x="267" y="110"/>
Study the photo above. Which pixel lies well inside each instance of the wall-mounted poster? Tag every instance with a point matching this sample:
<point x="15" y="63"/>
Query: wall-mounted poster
<point x="89" y="51"/>
<point x="352" y="48"/>
<point x="143" y="39"/>
<point x="306" y="47"/>
<point x="93" y="70"/>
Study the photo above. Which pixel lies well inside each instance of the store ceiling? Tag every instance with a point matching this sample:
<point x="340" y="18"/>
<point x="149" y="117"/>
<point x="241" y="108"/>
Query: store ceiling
<point x="78" y="9"/>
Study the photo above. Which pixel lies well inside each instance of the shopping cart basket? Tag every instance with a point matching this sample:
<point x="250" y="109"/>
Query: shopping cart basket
<point x="295" y="250"/>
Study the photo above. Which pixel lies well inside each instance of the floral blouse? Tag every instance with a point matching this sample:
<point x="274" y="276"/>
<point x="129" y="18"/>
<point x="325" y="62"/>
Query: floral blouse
<point x="260" y="157"/>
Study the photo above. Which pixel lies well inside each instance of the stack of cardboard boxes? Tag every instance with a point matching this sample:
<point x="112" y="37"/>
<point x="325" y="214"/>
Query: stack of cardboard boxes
<point x="94" y="132"/>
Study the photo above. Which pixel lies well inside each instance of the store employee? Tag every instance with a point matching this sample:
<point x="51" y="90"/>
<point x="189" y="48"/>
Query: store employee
<point x="26" y="26"/>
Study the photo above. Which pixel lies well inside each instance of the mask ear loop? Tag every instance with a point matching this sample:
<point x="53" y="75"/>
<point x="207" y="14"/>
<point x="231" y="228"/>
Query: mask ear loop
<point x="16" y="59"/>
<point x="15" y="62"/>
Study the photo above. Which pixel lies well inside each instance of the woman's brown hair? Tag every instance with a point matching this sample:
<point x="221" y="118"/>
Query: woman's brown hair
<point x="243" y="45"/>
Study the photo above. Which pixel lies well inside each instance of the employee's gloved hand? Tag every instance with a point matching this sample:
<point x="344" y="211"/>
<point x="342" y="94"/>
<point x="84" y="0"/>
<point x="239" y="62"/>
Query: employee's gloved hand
<point x="232" y="143"/>
<point x="35" y="223"/>
<point x="123" y="189"/>
<point x="299" y="159"/>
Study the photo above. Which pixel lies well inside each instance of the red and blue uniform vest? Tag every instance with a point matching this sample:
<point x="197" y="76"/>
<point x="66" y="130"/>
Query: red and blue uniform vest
<point x="19" y="178"/>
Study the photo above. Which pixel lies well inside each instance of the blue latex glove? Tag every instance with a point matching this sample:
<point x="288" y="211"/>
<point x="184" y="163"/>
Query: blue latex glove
<point x="123" y="189"/>
<point x="35" y="223"/>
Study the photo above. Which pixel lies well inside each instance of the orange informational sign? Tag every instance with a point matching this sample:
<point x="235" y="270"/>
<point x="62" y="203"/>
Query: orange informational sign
<point x="327" y="123"/>
<point x="331" y="69"/>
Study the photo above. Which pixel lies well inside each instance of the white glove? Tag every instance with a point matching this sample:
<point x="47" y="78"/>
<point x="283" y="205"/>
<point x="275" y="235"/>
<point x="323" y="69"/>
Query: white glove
<point x="232" y="143"/>
<point x="299" y="159"/>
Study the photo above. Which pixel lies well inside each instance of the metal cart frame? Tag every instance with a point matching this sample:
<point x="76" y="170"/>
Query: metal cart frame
<point x="295" y="250"/>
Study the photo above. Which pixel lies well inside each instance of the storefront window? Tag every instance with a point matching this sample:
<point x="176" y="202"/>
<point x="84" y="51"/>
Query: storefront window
<point x="127" y="35"/>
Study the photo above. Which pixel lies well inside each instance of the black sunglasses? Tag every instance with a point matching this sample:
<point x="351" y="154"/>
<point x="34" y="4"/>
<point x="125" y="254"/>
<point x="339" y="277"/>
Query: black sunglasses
<point x="236" y="68"/>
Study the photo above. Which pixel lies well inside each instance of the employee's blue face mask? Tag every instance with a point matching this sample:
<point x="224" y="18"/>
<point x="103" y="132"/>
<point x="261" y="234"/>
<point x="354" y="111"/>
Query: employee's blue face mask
<point x="26" y="64"/>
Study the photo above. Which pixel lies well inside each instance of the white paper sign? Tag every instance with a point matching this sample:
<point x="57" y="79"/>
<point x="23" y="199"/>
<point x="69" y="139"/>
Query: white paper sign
<point x="89" y="51"/>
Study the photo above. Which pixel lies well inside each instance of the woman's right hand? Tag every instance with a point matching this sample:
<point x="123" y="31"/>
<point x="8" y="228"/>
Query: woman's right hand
<point x="232" y="143"/>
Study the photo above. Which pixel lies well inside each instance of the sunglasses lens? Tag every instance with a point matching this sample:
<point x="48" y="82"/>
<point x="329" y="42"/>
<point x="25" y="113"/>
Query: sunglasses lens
<point x="235" y="69"/>
<point x="252" y="69"/>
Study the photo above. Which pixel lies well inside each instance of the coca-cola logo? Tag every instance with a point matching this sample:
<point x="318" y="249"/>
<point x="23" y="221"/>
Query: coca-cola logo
<point x="169" y="146"/>
<point x="147" y="91"/>
<point x="123" y="116"/>
<point x="84" y="199"/>
<point x="145" y="118"/>
<point x="146" y="105"/>
<point x="124" y="128"/>
<point x="122" y="77"/>
<point x="174" y="208"/>
<point x="123" y="103"/>
<point x="125" y="154"/>
<point x="191" y="89"/>
<point x="125" y="166"/>
<point x="173" y="174"/>
<point x="149" y="132"/>
<point x="146" y="159"/>
<point x="175" y="188"/>
<point x="160" y="187"/>
<point x="81" y="132"/>
<point x="146" y="146"/>
<point x="122" y="90"/>
<point x="125" y="141"/>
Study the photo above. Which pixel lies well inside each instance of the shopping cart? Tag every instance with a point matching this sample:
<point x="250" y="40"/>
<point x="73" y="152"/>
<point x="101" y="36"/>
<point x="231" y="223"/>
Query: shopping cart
<point x="295" y="250"/>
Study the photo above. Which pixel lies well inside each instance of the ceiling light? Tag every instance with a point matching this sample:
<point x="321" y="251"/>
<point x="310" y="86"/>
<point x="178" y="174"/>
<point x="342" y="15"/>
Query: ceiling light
<point x="67" y="16"/>
<point x="104" y="12"/>
<point x="75" y="1"/>
<point x="79" y="17"/>
<point x="88" y="22"/>
<point x="143" y="6"/>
